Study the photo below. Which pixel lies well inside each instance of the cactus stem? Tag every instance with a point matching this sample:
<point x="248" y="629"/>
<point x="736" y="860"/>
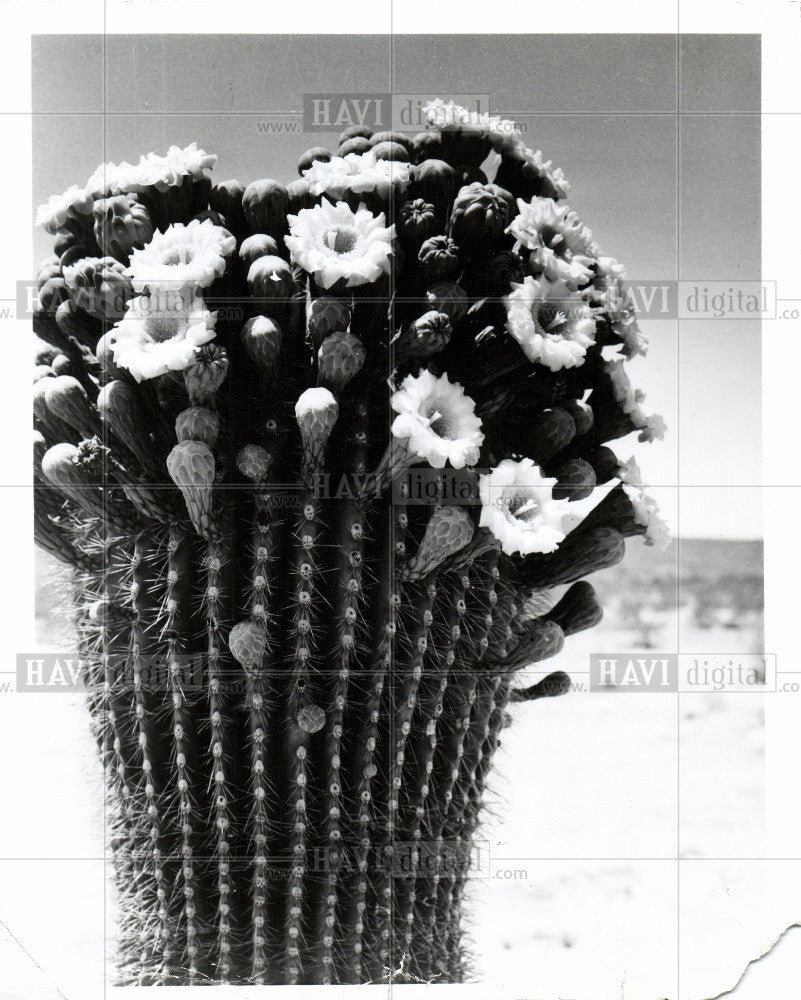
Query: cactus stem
<point x="221" y="753"/>
<point x="264" y="815"/>
<point x="426" y="734"/>
<point x="462" y="690"/>
<point x="399" y="893"/>
<point x="306" y="594"/>
<point x="365" y="766"/>
<point x="149" y="749"/>
<point x="184" y="737"/>
<point x="349" y="544"/>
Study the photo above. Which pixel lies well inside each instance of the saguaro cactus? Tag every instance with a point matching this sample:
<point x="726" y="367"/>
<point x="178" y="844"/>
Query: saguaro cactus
<point x="321" y="456"/>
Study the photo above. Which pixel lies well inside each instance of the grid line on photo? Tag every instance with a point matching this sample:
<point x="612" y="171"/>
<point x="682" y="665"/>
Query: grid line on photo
<point x="678" y="411"/>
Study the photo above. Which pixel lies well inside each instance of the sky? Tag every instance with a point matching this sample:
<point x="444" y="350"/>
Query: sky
<point x="659" y="137"/>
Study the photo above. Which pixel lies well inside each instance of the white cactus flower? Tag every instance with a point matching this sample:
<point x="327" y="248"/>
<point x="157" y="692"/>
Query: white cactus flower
<point x="334" y="243"/>
<point x="437" y="421"/>
<point x="519" y="509"/>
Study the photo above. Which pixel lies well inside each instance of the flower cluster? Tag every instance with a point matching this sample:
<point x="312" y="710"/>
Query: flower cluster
<point x="161" y="172"/>
<point x="166" y="324"/>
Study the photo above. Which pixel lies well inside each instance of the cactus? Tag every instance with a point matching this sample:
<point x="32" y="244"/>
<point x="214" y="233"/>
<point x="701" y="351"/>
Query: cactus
<point x="300" y="663"/>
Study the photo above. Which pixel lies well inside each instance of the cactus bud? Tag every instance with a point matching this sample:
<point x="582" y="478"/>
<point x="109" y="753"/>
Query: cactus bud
<point x="66" y="398"/>
<point x="576" y="480"/>
<point x="60" y="465"/>
<point x="502" y="271"/>
<point x="325" y="316"/>
<point x="577" y="610"/>
<point x="552" y="686"/>
<point x="226" y="197"/>
<point x="70" y="469"/>
<point x="355" y="131"/>
<point x="74" y="322"/>
<point x="197" y="424"/>
<point x="435" y="181"/>
<point x="270" y="280"/>
<point x="316" y="413"/>
<point x="300" y="196"/>
<point x="449" y="298"/>
<point x="39" y="449"/>
<point x="427" y="335"/>
<point x="122" y="224"/>
<point x="417" y="220"/>
<point x="204" y="376"/>
<point x="104" y="352"/>
<point x="581" y="553"/>
<point x="119" y="406"/>
<point x="317" y="154"/>
<point x="481" y="213"/>
<point x="53" y="426"/>
<point x="605" y="463"/>
<point x="427" y="146"/>
<point x="388" y="136"/>
<point x="254" y="462"/>
<point x="258" y="245"/>
<point x="448" y="530"/>
<point x="439" y="257"/>
<point x="265" y="204"/>
<point x="581" y="413"/>
<point x="358" y="144"/>
<point x="542" y="640"/>
<point x="191" y="467"/>
<point x="248" y="642"/>
<point x="262" y="340"/>
<point x="554" y="429"/>
<point x="340" y="357"/>
<point x="99" y="286"/>
<point x="391" y="151"/>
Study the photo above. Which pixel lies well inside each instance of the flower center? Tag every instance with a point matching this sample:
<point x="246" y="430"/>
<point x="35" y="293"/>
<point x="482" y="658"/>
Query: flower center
<point x="179" y="255"/>
<point x="552" y="319"/>
<point x="436" y="419"/>
<point x="162" y="327"/>
<point x="340" y="239"/>
<point x="522" y="504"/>
<point x="551" y="237"/>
